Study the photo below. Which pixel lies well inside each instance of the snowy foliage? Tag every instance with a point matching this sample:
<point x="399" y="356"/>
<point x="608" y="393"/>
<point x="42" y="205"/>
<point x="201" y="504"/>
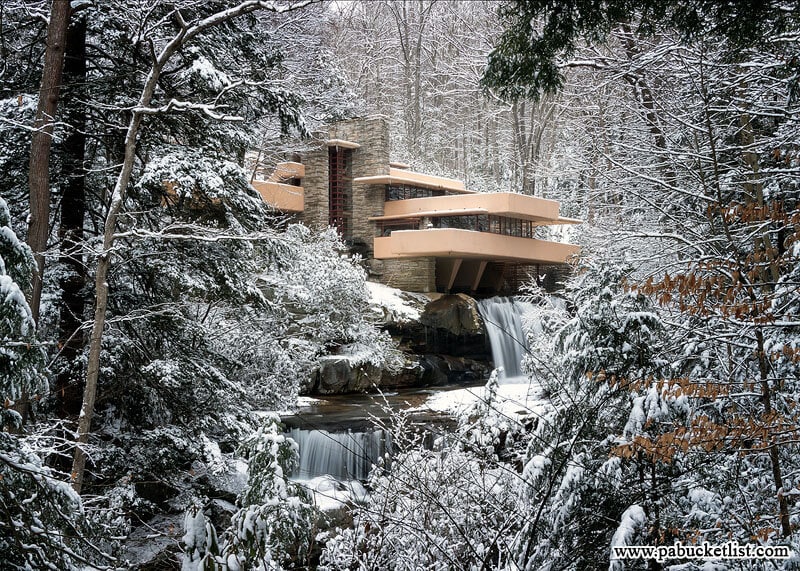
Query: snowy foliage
<point x="273" y="529"/>
<point x="41" y="516"/>
<point x="258" y="343"/>
<point x="42" y="521"/>
<point x="323" y="293"/>
<point x="630" y="526"/>
<point x="203" y="189"/>
<point x="432" y="510"/>
<point x="192" y="343"/>
<point x="671" y="370"/>
<point x="16" y="114"/>
<point x="21" y="358"/>
<point x="585" y="357"/>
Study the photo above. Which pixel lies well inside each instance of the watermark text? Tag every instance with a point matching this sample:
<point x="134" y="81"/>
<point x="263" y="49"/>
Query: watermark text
<point x="702" y="551"/>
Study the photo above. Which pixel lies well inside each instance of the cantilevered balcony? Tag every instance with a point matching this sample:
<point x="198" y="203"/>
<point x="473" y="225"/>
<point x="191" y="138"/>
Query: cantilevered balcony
<point x="468" y="244"/>
<point x="475" y="239"/>
<point x="404" y="177"/>
<point x="282" y="190"/>
<point x="540" y="211"/>
<point x="496" y="227"/>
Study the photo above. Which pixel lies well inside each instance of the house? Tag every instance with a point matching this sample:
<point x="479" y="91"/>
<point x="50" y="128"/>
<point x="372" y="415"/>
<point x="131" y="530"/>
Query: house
<point x="417" y="232"/>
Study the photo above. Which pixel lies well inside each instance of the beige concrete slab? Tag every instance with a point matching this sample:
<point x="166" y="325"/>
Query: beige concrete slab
<point x="508" y="204"/>
<point x="455" y="243"/>
<point x="455" y="212"/>
<point x="342" y="143"/>
<point x="283" y="197"/>
<point x="411" y="178"/>
<point x="286" y="171"/>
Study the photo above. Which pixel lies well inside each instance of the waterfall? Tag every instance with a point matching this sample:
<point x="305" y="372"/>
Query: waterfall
<point x="343" y="455"/>
<point x="502" y="317"/>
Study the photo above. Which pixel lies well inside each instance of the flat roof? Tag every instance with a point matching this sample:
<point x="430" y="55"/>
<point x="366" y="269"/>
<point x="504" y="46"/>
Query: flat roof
<point x="453" y="212"/>
<point x="417" y="179"/>
<point x="342" y="143"/>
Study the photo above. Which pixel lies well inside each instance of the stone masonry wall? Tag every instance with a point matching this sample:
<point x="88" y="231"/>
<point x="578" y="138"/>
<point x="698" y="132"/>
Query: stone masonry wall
<point x="315" y="185"/>
<point x="371" y="159"/>
<point x="412" y="274"/>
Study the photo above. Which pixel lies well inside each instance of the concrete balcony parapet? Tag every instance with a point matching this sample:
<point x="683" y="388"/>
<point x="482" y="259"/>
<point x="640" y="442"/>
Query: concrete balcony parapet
<point x="404" y="177"/>
<point x="287" y="171"/>
<point x="283" y="197"/>
<point x="468" y="244"/>
<point x="509" y="204"/>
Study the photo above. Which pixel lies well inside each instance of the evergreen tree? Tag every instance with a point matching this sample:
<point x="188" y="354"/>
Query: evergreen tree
<point x="595" y="365"/>
<point x="540" y="35"/>
<point x="21" y="357"/>
<point x="712" y="88"/>
<point x="41" y="518"/>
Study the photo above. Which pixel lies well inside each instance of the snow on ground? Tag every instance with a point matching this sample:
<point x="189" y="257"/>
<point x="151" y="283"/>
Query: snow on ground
<point x="301" y="402"/>
<point x="515" y="397"/>
<point x="400" y="305"/>
<point x="329" y="493"/>
<point x="307" y="401"/>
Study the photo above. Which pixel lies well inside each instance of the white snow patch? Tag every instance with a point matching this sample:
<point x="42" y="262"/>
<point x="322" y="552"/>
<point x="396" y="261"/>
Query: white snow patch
<point x="307" y="401"/>
<point x="535" y="467"/>
<point x="301" y="402"/>
<point x="632" y="519"/>
<point x="513" y="400"/>
<point x="396" y="303"/>
<point x="329" y="493"/>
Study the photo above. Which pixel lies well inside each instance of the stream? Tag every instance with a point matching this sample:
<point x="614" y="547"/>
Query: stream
<point x="339" y="435"/>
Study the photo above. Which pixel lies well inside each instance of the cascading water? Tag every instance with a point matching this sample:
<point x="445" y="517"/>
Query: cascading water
<point x="503" y="319"/>
<point x="343" y="455"/>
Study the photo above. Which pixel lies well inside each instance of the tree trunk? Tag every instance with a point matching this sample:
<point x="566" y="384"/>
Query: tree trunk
<point x="73" y="208"/>
<point x="41" y="142"/>
<point x="774" y="456"/>
<point x="186" y="33"/>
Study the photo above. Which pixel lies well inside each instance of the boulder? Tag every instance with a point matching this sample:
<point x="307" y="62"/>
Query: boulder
<point x="412" y="374"/>
<point x="453" y="326"/>
<point x="156" y="491"/>
<point x="442" y="338"/>
<point x="394" y="308"/>
<point x="339" y="374"/>
<point x="154" y="545"/>
<point x="455" y="314"/>
<point x="447" y="369"/>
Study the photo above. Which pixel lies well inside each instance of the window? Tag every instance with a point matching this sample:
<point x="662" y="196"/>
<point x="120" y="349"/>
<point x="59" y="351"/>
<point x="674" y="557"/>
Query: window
<point x="340" y="190"/>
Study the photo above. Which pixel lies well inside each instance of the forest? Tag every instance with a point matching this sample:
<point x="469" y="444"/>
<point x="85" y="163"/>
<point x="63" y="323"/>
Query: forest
<point x="156" y="316"/>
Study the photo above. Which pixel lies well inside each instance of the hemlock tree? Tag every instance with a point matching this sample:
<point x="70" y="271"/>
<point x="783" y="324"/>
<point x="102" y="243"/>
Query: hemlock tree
<point x="21" y="358"/>
<point x="194" y="245"/>
<point x="715" y="93"/>
<point x="172" y="34"/>
<point x="594" y="363"/>
<point x="41" y="519"/>
<point x="275" y="525"/>
<point x="541" y="35"/>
